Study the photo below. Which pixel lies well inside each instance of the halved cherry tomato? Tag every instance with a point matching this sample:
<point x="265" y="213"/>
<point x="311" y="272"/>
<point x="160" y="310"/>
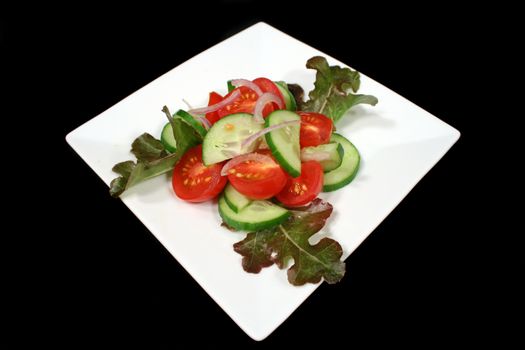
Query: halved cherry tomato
<point x="195" y="182"/>
<point x="316" y="129"/>
<point x="214" y="98"/>
<point x="302" y="190"/>
<point x="258" y="180"/>
<point x="245" y="103"/>
<point x="267" y="85"/>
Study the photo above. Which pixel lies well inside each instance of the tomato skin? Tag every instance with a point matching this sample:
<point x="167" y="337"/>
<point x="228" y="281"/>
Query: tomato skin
<point x="302" y="190"/>
<point x="213" y="99"/>
<point x="316" y="129"/>
<point x="257" y="180"/>
<point x="192" y="181"/>
<point x="245" y="103"/>
<point x="267" y="85"/>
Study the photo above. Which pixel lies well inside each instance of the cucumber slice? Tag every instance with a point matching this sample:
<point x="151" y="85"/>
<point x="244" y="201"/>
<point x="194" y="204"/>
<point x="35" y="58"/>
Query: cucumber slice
<point x="235" y="200"/>
<point x="284" y="142"/>
<point x="230" y="86"/>
<point x="289" y="100"/>
<point x="168" y="139"/>
<point x="223" y="140"/>
<point x="258" y="215"/>
<point x="345" y="173"/>
<point x="333" y="149"/>
<point x="192" y="121"/>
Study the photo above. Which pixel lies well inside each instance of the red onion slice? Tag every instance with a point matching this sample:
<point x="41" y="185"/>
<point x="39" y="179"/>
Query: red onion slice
<point x="205" y="122"/>
<point x="249" y="140"/>
<point x="265" y="98"/>
<point x="249" y="84"/>
<point x="202" y="111"/>
<point x="257" y="157"/>
<point x="187" y="104"/>
<point x="318" y="156"/>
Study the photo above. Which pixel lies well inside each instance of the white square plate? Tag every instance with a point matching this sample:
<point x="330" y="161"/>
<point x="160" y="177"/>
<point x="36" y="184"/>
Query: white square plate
<point x="399" y="143"/>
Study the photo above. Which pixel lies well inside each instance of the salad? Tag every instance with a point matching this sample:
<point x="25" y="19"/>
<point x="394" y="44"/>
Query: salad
<point x="264" y="154"/>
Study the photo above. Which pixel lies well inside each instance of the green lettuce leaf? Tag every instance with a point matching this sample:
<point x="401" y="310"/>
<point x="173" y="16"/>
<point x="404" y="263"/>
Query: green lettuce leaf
<point x="185" y="135"/>
<point x="152" y="158"/>
<point x="331" y="95"/>
<point x="290" y="240"/>
<point x="124" y="168"/>
<point x="146" y="167"/>
<point x="147" y="148"/>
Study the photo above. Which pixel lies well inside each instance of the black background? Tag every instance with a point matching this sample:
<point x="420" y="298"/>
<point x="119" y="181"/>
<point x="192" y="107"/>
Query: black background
<point x="88" y="271"/>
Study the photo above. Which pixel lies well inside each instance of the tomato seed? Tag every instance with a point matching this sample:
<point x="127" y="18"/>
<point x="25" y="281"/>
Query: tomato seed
<point x="296" y="188"/>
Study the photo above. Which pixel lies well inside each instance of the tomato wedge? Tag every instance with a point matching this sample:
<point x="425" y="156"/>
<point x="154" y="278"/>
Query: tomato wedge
<point x="267" y="85"/>
<point x="302" y="190"/>
<point x="245" y="103"/>
<point x="214" y="98"/>
<point x="316" y="129"/>
<point x="195" y="182"/>
<point x="258" y="180"/>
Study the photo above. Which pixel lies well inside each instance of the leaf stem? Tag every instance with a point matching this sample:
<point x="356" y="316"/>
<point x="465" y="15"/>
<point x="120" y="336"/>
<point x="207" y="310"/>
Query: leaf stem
<point x="326" y="99"/>
<point x="313" y="257"/>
